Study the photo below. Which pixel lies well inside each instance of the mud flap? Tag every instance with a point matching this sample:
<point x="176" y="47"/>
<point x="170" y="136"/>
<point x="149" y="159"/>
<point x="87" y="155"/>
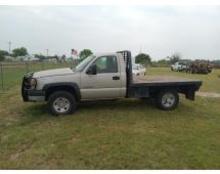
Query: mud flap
<point x="190" y="95"/>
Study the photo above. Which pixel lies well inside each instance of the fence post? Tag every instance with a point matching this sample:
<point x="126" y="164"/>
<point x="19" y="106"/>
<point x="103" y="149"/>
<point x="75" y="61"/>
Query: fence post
<point x="2" y="81"/>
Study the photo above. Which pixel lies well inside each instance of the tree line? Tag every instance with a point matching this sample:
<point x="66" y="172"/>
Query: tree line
<point x="22" y="51"/>
<point x="142" y="58"/>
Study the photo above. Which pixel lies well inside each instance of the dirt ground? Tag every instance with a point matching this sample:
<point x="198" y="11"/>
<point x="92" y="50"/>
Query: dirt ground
<point x="208" y="94"/>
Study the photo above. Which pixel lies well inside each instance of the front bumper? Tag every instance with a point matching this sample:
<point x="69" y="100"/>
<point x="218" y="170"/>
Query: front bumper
<point x="33" y="95"/>
<point x="30" y="94"/>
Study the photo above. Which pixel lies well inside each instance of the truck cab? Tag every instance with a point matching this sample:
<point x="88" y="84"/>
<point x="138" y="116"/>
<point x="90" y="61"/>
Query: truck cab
<point x="101" y="77"/>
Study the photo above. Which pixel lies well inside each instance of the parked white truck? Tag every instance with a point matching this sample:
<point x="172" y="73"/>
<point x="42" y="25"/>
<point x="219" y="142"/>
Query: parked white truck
<point x="101" y="77"/>
<point x="179" y="66"/>
<point x="138" y="70"/>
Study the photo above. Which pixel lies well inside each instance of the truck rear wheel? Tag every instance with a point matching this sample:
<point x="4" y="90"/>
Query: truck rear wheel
<point x="167" y="99"/>
<point x="61" y="103"/>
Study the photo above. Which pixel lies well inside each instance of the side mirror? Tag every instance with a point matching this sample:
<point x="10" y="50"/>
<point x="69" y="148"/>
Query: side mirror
<point x="92" y="70"/>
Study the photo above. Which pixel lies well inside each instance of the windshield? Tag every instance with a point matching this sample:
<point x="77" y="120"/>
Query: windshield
<point x="84" y="63"/>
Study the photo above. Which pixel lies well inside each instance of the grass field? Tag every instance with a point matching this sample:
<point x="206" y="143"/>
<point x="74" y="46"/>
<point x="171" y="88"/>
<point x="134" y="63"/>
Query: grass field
<point x="126" y="134"/>
<point x="13" y="73"/>
<point x="211" y="82"/>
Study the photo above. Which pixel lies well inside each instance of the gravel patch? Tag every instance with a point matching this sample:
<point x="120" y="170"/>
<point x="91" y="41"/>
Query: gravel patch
<point x="208" y="94"/>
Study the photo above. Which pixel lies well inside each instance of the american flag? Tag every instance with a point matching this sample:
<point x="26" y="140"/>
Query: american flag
<point x="73" y="52"/>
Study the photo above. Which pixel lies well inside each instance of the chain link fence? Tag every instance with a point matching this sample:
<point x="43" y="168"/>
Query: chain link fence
<point x="11" y="73"/>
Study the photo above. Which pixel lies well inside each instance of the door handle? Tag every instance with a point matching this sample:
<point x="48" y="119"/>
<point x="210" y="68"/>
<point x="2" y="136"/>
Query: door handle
<point x="115" y="78"/>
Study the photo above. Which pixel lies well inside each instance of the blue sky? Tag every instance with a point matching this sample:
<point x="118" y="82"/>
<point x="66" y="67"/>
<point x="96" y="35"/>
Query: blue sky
<point x="191" y="31"/>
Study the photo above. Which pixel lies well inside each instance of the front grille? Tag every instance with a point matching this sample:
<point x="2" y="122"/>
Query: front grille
<point x="26" y="86"/>
<point x="26" y="81"/>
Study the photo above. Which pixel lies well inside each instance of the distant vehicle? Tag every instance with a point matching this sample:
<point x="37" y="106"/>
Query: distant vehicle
<point x="102" y="77"/>
<point x="138" y="70"/>
<point x="179" y="66"/>
<point x="199" y="67"/>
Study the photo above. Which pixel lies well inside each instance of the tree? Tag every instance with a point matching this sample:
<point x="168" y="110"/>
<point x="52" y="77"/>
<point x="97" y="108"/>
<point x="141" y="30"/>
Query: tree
<point x="85" y="53"/>
<point x="40" y="57"/>
<point x="174" y="58"/>
<point x="19" y="52"/>
<point x="3" y="53"/>
<point x="163" y="62"/>
<point x="143" y="59"/>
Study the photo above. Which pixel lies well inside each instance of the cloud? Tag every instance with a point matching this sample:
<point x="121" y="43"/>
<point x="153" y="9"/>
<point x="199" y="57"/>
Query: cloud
<point x="160" y="31"/>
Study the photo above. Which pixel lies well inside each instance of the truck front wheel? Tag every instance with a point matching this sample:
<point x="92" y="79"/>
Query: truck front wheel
<point x="61" y="103"/>
<point x="167" y="99"/>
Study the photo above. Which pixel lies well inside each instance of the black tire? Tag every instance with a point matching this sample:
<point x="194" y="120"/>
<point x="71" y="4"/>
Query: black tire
<point x="166" y="104"/>
<point x="68" y="97"/>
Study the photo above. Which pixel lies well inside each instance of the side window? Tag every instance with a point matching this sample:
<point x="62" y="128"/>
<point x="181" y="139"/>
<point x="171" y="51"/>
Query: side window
<point x="107" y="64"/>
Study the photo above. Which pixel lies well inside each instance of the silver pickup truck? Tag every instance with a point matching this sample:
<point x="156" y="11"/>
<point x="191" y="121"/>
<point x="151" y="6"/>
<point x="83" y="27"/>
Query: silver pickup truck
<point x="102" y="77"/>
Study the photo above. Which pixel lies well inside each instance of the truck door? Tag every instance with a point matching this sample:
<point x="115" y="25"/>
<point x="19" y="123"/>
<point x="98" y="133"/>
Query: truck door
<point x="105" y="83"/>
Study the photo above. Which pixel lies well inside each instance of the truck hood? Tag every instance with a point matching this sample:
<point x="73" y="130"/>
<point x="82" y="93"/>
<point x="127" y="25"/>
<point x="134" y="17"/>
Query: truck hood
<point x="53" y="72"/>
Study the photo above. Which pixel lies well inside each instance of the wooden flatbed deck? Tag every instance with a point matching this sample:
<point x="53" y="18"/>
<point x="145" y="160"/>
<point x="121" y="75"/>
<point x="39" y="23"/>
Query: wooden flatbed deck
<point x="162" y="80"/>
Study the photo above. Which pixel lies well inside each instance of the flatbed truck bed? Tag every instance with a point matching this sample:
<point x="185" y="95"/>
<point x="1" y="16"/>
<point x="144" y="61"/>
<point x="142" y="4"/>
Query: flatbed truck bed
<point x="150" y="86"/>
<point x="161" y="80"/>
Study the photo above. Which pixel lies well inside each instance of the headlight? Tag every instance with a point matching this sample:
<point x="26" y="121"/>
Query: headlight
<point x="33" y="83"/>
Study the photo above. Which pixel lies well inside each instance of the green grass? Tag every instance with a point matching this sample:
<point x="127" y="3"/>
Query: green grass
<point x="13" y="73"/>
<point x="211" y="82"/>
<point x="126" y="134"/>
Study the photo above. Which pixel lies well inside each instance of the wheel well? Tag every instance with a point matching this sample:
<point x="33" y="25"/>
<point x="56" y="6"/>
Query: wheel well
<point x="53" y="89"/>
<point x="155" y="91"/>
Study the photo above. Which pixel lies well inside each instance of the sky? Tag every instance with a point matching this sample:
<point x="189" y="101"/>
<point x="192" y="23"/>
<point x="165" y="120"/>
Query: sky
<point x="160" y="31"/>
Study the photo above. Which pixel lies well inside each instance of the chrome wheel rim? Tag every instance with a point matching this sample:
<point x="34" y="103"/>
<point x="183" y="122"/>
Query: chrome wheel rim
<point x="168" y="100"/>
<point x="61" y="105"/>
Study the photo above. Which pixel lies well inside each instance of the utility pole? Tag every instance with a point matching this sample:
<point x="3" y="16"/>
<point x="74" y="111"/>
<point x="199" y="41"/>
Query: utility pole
<point x="140" y="49"/>
<point x="9" y="47"/>
<point x="47" y="50"/>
